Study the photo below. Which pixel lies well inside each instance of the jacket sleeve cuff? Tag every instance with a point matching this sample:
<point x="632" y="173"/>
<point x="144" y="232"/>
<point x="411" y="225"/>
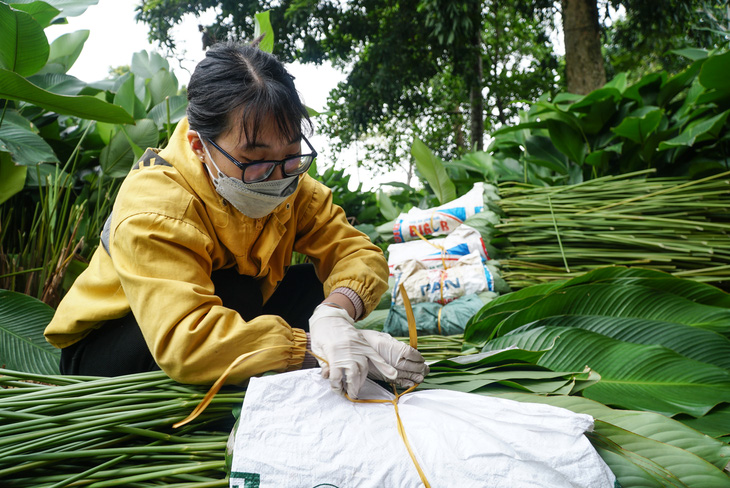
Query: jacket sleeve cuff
<point x="309" y="360"/>
<point x="298" y="351"/>
<point x="354" y="298"/>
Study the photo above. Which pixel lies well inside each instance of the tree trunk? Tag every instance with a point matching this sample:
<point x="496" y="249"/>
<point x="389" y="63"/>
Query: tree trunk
<point x="584" y="69"/>
<point x="476" y="101"/>
<point x="477" y="109"/>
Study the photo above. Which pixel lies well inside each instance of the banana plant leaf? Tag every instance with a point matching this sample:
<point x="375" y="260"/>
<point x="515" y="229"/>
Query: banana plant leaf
<point x="22" y="345"/>
<point x="695" y="343"/>
<point x="633" y="376"/>
<point x="649" y="425"/>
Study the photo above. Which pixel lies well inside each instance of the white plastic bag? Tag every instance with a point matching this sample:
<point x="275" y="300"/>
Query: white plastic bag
<point x="294" y="431"/>
<point x="464" y="240"/>
<point x="440" y="220"/>
<point x="469" y="276"/>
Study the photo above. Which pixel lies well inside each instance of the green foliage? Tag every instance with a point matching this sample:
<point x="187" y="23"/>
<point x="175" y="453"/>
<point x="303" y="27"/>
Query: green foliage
<point x="263" y="28"/>
<point x="22" y="345"/>
<point x="411" y="63"/>
<point x="432" y="169"/>
<point x="642" y="40"/>
<point x="676" y="124"/>
<point x="61" y="170"/>
<point x="360" y="207"/>
<point x="512" y="368"/>
<point x="640" y="330"/>
<point x="61" y="430"/>
<point x="660" y="345"/>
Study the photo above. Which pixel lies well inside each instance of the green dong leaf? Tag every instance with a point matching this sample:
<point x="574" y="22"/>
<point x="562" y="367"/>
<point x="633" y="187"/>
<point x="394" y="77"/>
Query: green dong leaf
<point x="19" y="138"/>
<point x="262" y="25"/>
<point x="22" y="345"/>
<point x="432" y="168"/>
<point x="15" y="87"/>
<point x="12" y="177"/>
<point x="118" y="157"/>
<point x="633" y="376"/>
<point x="68" y="8"/>
<point x="692" y="342"/>
<point x="65" y="50"/>
<point x="613" y="300"/>
<point x="23" y="45"/>
<point x="568" y="141"/>
<point x="640" y="124"/>
<point x="145" y="65"/>
<point x="42" y="12"/>
<point x="714" y="73"/>
<point x="650" y="425"/>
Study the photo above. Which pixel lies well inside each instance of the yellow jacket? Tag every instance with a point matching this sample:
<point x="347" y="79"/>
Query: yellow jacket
<point x="170" y="230"/>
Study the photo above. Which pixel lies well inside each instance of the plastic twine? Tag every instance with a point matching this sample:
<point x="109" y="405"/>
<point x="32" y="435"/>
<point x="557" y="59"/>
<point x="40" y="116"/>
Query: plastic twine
<point x="413" y="342"/>
<point x="443" y="263"/>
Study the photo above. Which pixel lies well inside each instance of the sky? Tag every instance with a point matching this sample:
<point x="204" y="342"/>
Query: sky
<point x="115" y="36"/>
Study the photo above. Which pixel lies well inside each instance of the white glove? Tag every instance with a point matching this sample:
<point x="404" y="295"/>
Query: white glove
<point x="408" y="361"/>
<point x="349" y="356"/>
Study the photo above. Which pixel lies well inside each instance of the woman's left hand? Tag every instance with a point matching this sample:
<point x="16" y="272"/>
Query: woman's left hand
<point x="411" y="366"/>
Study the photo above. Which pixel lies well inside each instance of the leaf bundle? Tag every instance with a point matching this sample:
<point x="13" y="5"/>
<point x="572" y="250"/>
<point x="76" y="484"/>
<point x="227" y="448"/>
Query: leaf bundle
<point x="660" y="345"/>
<point x="98" y="432"/>
<point x="675" y="225"/>
<point x="507" y="369"/>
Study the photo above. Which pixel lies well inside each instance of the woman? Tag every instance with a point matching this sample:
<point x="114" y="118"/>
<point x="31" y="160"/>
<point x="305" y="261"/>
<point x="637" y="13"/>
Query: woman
<point x="193" y="269"/>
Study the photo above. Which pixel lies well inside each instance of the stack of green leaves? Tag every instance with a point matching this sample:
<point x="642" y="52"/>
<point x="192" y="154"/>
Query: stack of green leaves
<point x="508" y="369"/>
<point x="669" y="224"/>
<point x="100" y="432"/>
<point x="661" y="347"/>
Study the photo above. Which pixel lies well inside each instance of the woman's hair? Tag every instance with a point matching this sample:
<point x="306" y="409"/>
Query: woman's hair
<point x="236" y="76"/>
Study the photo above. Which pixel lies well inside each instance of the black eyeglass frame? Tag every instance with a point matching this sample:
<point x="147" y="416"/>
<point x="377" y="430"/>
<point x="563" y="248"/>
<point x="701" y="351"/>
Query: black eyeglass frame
<point x="274" y="163"/>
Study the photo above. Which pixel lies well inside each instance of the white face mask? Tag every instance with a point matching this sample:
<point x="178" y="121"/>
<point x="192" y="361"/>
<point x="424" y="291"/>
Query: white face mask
<point x="254" y="200"/>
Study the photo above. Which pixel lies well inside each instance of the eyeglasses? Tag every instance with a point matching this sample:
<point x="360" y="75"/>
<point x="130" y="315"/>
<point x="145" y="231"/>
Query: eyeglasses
<point x="257" y="171"/>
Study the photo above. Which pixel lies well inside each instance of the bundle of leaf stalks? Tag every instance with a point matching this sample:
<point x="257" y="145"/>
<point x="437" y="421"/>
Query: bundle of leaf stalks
<point x="60" y="431"/>
<point x="675" y="225"/>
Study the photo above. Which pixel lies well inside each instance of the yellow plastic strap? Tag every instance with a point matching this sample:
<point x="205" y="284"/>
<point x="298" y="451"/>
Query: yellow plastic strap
<point x="413" y="341"/>
<point x="412" y="331"/>
<point x="438" y="322"/>
<point x="442" y="248"/>
<point x="220" y="381"/>
<point x="401" y="430"/>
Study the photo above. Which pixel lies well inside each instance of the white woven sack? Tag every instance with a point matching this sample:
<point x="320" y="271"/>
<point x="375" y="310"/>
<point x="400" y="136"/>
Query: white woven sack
<point x="295" y="432"/>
